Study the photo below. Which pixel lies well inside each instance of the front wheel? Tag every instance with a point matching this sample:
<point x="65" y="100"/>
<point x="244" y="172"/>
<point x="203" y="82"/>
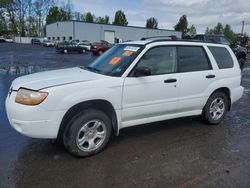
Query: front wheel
<point x="87" y="133"/>
<point x="215" y="108"/>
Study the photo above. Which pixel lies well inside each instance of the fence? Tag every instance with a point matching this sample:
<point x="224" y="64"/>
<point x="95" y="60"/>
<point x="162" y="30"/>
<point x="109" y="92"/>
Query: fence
<point x="25" y="40"/>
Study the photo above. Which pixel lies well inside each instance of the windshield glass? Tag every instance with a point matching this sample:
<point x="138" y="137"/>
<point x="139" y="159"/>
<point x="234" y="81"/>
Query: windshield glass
<point x="116" y="60"/>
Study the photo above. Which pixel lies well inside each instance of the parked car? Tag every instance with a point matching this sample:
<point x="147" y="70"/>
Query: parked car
<point x="9" y="40"/>
<point x="35" y="41"/>
<point x="2" y="40"/>
<point x="85" y="43"/>
<point x="74" y="41"/>
<point x="238" y="50"/>
<point x="133" y="83"/>
<point x="66" y="47"/>
<point x="98" y="48"/>
<point x="48" y="43"/>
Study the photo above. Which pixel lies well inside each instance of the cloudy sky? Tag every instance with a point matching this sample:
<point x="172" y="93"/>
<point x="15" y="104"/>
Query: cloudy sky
<point x="201" y="13"/>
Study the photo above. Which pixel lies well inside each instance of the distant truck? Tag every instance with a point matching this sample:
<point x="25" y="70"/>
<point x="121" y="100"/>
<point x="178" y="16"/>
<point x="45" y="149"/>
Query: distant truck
<point x="239" y="51"/>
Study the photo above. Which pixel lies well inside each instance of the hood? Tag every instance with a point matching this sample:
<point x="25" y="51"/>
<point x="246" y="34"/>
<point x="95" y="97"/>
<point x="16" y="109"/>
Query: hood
<point x="47" y="79"/>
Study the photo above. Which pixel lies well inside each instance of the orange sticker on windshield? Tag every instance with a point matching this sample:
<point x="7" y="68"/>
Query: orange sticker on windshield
<point x="127" y="53"/>
<point x="114" y="60"/>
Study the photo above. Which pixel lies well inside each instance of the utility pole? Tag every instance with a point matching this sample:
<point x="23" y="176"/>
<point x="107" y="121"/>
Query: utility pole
<point x="242" y="29"/>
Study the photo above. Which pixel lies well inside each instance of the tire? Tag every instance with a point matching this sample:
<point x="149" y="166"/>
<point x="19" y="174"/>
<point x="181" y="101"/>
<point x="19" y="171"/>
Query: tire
<point x="65" y="51"/>
<point x="100" y="52"/>
<point x="215" y="108"/>
<point x="87" y="133"/>
<point x="241" y="63"/>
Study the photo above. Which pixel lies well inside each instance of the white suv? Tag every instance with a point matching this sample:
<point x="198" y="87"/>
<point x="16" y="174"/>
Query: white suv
<point x="132" y="83"/>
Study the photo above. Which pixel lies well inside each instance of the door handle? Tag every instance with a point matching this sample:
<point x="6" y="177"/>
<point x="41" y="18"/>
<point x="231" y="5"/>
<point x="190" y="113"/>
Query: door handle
<point x="171" y="80"/>
<point x="210" y="76"/>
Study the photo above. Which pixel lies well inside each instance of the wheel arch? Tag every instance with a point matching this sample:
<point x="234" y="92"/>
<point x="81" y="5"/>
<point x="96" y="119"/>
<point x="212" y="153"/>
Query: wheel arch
<point x="99" y="104"/>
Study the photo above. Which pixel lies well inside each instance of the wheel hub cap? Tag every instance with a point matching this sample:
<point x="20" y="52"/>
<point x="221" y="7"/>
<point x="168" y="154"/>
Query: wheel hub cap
<point x="91" y="135"/>
<point x="217" y="108"/>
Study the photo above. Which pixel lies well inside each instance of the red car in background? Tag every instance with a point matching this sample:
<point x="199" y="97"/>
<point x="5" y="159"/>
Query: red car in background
<point x="98" y="48"/>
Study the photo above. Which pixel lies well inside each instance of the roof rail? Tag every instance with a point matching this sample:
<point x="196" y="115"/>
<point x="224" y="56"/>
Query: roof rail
<point x="172" y="37"/>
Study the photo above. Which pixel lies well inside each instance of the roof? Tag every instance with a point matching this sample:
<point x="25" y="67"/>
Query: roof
<point x="114" y="25"/>
<point x="174" y="42"/>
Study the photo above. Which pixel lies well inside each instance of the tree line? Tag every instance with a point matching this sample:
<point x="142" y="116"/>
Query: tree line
<point x="29" y="18"/>
<point x="219" y="29"/>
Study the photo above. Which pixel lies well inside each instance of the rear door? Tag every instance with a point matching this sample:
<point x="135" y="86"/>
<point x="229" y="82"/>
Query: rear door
<point x="196" y="74"/>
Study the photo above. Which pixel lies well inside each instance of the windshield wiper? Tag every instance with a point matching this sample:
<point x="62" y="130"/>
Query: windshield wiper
<point x="92" y="69"/>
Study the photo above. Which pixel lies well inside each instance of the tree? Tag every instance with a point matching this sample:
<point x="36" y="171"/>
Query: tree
<point x="120" y="18"/>
<point x="209" y="31"/>
<point x="228" y="32"/>
<point x="89" y="17"/>
<point x="57" y="14"/>
<point x="53" y="15"/>
<point x="192" y="30"/>
<point x="152" y="23"/>
<point x="218" y="29"/>
<point x="103" y="20"/>
<point x="182" y="25"/>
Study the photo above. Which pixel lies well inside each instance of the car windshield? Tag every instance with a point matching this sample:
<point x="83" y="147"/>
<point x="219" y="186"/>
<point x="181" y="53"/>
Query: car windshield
<point x="116" y="60"/>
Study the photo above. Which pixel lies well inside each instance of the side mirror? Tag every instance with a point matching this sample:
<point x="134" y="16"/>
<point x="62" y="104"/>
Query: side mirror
<point x="142" y="71"/>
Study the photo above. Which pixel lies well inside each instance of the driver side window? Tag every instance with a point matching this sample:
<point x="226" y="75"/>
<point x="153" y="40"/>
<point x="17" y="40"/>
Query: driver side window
<point x="160" y="60"/>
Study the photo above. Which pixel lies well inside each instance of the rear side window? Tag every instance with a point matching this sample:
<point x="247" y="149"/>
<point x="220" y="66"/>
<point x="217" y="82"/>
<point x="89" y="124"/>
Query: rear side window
<point x="192" y="58"/>
<point x="222" y="57"/>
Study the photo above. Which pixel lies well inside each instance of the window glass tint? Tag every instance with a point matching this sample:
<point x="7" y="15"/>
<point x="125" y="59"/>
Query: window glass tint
<point x="192" y="58"/>
<point x="222" y="57"/>
<point x="160" y="60"/>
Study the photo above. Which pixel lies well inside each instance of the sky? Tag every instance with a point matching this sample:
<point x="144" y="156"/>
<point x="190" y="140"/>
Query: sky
<point x="201" y="13"/>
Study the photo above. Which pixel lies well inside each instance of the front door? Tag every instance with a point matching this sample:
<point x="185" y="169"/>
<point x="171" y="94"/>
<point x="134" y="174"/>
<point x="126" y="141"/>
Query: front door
<point x="150" y="98"/>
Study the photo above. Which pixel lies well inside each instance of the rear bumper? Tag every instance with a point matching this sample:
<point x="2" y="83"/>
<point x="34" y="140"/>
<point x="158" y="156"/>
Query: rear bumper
<point x="236" y="94"/>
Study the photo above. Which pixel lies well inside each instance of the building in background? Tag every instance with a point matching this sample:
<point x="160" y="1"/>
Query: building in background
<point x="93" y="32"/>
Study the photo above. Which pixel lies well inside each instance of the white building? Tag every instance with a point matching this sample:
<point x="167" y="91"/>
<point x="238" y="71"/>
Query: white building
<point x="78" y="30"/>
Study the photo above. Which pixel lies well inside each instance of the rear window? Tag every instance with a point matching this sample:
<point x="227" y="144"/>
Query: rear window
<point x="222" y="57"/>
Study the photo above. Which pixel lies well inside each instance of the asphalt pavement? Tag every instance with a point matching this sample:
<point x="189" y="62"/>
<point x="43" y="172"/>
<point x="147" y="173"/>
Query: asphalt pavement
<point x="177" y="153"/>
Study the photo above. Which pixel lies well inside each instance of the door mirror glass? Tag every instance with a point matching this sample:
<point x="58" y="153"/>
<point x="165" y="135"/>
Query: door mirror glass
<point x="142" y="71"/>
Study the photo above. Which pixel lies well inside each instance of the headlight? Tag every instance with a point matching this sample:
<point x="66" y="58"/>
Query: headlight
<point x="29" y="97"/>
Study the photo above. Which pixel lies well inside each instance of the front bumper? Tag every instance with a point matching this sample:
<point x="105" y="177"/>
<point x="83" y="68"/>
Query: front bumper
<point x="33" y="121"/>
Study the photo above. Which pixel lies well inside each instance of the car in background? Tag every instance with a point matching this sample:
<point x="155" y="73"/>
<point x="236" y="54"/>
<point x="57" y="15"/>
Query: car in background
<point x="2" y="40"/>
<point x="66" y="47"/>
<point x="9" y="40"/>
<point x="74" y="41"/>
<point x="239" y="51"/>
<point x="35" y="41"/>
<point x="98" y="48"/>
<point x="85" y="43"/>
<point x="48" y="43"/>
